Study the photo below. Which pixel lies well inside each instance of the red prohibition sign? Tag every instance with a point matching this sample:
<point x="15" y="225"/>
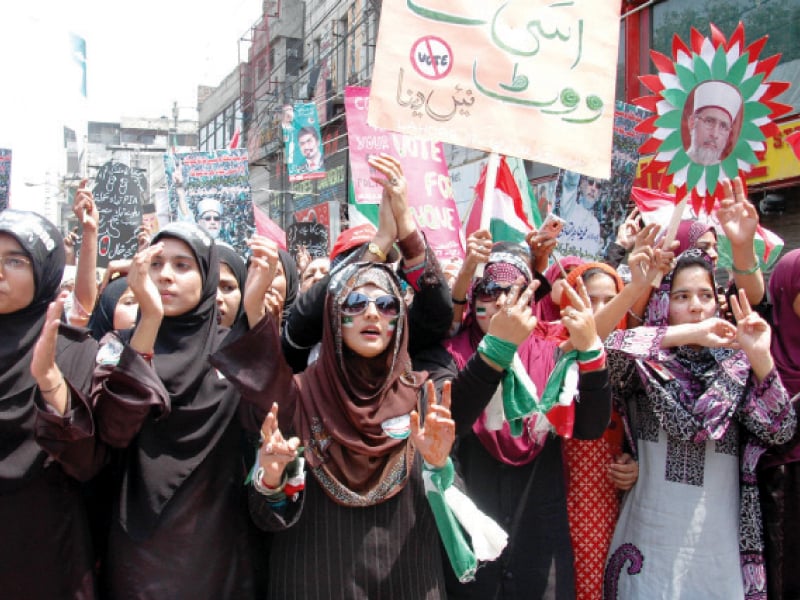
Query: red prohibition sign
<point x="431" y="57"/>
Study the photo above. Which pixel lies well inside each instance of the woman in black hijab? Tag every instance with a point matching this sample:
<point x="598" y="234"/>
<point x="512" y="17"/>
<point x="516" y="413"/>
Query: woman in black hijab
<point x="232" y="276"/>
<point x="46" y="549"/>
<point x="281" y="295"/>
<point x="107" y="315"/>
<point x="179" y="530"/>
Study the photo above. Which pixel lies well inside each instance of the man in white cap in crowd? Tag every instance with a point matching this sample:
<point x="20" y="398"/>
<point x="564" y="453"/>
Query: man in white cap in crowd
<point x="209" y="216"/>
<point x="716" y="105"/>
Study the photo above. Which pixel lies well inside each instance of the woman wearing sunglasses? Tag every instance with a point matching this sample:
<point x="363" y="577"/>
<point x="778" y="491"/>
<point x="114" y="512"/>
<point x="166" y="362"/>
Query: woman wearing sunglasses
<point x="358" y="525"/>
<point x="431" y="312"/>
<point x="510" y="456"/>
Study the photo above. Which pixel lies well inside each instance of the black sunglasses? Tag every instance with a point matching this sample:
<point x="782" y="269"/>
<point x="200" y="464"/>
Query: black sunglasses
<point x="488" y="292"/>
<point x="356" y="303"/>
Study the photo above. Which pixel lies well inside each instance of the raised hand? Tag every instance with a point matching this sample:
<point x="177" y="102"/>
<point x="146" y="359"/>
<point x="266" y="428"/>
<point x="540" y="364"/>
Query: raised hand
<point x="628" y="230"/>
<point x="70" y="241"/>
<point x="144" y="233"/>
<point x="142" y="286"/>
<point x="753" y="335"/>
<point x="435" y="440"/>
<point x="646" y="262"/>
<point x="395" y="191"/>
<point x="85" y="208"/>
<point x="276" y="452"/>
<point x="737" y="215"/>
<point x="541" y="246"/>
<point x="260" y="274"/>
<point x="479" y="247"/>
<point x="579" y="318"/>
<point x="43" y="363"/>
<point x="515" y="321"/>
<point x="646" y="236"/>
<point x="302" y="258"/>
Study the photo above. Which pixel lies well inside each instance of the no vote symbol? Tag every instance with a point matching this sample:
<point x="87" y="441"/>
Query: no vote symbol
<point x="432" y="57"/>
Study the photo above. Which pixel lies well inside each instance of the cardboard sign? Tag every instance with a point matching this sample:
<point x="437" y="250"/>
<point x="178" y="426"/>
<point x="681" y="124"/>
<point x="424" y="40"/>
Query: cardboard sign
<point x="118" y="192"/>
<point x="312" y="235"/>
<point x="524" y="79"/>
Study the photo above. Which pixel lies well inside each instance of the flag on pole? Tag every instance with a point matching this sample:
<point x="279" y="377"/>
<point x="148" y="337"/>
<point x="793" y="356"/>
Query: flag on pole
<point x="657" y="207"/>
<point x="234" y="143"/>
<point x="267" y="227"/>
<point x="508" y="221"/>
<point x="529" y="200"/>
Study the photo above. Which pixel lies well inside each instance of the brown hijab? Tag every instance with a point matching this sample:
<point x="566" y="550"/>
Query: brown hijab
<point x="353" y="412"/>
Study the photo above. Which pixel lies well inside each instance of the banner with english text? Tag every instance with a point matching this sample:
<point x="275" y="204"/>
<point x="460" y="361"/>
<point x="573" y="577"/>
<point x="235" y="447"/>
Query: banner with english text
<point x="524" y="78"/>
<point x="430" y="192"/>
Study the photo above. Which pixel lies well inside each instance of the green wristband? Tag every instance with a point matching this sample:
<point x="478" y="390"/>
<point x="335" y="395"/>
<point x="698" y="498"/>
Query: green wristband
<point x="499" y="351"/>
<point x="587" y="355"/>
<point x="749" y="271"/>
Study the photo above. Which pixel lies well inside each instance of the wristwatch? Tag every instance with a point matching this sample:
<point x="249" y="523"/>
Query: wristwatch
<point x="376" y="250"/>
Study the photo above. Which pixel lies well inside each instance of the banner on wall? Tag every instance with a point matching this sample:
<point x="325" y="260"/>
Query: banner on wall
<point x="302" y="142"/>
<point x="430" y="193"/>
<point x="5" y="177"/>
<point x="322" y="199"/>
<point x="522" y="79"/>
<point x="212" y="189"/>
<point x="315" y="227"/>
<point x="594" y="208"/>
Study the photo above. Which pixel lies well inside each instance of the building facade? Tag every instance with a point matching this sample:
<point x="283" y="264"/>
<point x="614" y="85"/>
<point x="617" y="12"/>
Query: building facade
<point x="310" y="51"/>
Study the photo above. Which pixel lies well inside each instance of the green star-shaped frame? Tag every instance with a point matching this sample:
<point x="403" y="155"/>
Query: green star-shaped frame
<point x="708" y="59"/>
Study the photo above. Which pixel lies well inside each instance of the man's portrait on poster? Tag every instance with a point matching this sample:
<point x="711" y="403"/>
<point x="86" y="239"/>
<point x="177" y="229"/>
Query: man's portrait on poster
<point x="712" y="119"/>
<point x="308" y="139"/>
<point x="209" y="216"/>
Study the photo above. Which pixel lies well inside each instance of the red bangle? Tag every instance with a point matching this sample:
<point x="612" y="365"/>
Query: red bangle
<point x="148" y="356"/>
<point x="593" y="365"/>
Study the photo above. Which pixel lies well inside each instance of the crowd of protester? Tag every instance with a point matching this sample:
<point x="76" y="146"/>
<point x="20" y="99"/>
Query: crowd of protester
<point x="378" y="425"/>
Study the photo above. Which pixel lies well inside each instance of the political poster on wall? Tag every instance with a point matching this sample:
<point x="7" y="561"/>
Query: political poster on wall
<point x="212" y="189"/>
<point x="302" y="142"/>
<point x="522" y="79"/>
<point x="311" y="235"/>
<point x="5" y="177"/>
<point x="118" y="193"/>
<point x="430" y="192"/>
<point x="320" y="200"/>
<point x="594" y="208"/>
<point x="320" y="222"/>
